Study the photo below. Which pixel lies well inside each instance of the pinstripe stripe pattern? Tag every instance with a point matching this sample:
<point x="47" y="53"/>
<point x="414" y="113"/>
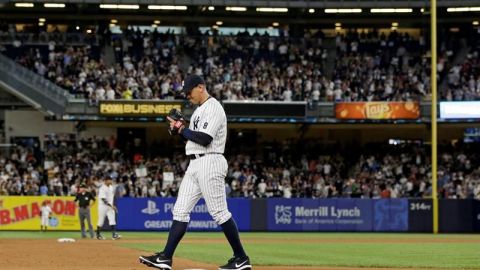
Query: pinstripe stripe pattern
<point x="205" y="176"/>
<point x="209" y="118"/>
<point x="105" y="192"/>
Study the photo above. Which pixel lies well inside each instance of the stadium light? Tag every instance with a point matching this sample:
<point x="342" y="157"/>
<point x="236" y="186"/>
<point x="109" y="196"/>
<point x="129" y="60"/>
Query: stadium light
<point x="77" y="27"/>
<point x="338" y="24"/>
<point x="219" y="23"/>
<point x="311" y="10"/>
<point x="343" y="10"/>
<point x="215" y="26"/>
<point x="275" y="24"/>
<point x="42" y="19"/>
<point x="211" y="8"/>
<point x="54" y="5"/>
<point x="395" y="24"/>
<point x="41" y="24"/>
<point x="268" y="9"/>
<point x="157" y="22"/>
<point x="165" y="7"/>
<point x="89" y="31"/>
<point x="391" y="10"/>
<point x="463" y="9"/>
<point x="115" y="6"/>
<point x="114" y="21"/>
<point x="475" y="22"/>
<point x="24" y="5"/>
<point x="236" y="9"/>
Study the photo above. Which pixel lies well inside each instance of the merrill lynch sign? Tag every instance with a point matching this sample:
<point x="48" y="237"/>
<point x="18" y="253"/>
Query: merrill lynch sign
<point x="146" y="109"/>
<point x="322" y="215"/>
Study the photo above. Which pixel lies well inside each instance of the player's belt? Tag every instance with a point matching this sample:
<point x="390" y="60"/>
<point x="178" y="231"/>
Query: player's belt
<point x="195" y="156"/>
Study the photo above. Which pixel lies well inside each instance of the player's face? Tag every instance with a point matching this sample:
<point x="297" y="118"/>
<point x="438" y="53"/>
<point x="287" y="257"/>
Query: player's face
<point x="195" y="95"/>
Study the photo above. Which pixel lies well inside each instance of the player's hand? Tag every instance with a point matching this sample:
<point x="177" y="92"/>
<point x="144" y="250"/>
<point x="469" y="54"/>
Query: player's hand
<point x="176" y="122"/>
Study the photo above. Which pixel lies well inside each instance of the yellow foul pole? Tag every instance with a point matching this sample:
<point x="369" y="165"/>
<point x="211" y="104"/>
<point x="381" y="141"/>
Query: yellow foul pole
<point x="433" y="79"/>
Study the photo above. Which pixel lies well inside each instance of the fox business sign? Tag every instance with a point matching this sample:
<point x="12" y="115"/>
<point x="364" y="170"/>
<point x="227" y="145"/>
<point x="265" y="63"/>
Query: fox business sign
<point x="137" y="108"/>
<point x="460" y="110"/>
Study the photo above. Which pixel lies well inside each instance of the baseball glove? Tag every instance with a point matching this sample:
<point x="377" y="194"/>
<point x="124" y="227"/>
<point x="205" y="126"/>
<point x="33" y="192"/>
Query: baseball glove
<point x="179" y="121"/>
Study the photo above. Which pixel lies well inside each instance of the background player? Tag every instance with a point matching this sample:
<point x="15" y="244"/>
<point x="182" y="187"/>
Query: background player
<point x="106" y="208"/>
<point x="46" y="211"/>
<point x="85" y="199"/>
<point x="205" y="176"/>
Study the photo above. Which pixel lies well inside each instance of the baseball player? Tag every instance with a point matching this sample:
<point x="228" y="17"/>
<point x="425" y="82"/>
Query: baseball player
<point x="106" y="208"/>
<point x="205" y="176"/>
<point x="46" y="211"/>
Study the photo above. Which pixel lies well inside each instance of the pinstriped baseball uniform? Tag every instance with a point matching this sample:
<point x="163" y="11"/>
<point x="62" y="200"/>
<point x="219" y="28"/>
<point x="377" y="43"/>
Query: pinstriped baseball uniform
<point x="105" y="192"/>
<point x="205" y="175"/>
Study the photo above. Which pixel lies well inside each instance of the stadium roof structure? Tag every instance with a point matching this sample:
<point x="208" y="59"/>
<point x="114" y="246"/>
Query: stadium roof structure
<point x="260" y="13"/>
<point x="267" y="3"/>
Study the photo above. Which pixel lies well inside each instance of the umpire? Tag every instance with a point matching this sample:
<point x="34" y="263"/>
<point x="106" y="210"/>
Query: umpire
<point x="85" y="199"/>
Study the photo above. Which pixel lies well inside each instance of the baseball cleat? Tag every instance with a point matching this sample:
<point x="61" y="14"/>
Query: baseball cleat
<point x="100" y="237"/>
<point x="116" y="236"/>
<point x="237" y="263"/>
<point x="157" y="260"/>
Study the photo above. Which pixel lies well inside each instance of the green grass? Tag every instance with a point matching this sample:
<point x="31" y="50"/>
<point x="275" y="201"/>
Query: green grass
<point x="421" y="254"/>
<point x="433" y="255"/>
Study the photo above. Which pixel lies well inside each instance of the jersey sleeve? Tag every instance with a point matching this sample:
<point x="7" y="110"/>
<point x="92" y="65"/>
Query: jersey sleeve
<point x="212" y="119"/>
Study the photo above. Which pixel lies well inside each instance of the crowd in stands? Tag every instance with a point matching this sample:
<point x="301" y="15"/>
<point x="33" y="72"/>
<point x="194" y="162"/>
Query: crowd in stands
<point x="369" y="66"/>
<point x="374" y="67"/>
<point x="287" y="169"/>
<point x="145" y="68"/>
<point x="259" y="67"/>
<point x="463" y="80"/>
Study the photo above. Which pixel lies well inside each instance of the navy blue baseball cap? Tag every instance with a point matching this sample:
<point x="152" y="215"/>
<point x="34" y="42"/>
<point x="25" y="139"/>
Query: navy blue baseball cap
<point x="191" y="82"/>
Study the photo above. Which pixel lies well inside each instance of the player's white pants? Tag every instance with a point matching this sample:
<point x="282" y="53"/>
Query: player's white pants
<point x="204" y="176"/>
<point x="105" y="211"/>
<point x="44" y="221"/>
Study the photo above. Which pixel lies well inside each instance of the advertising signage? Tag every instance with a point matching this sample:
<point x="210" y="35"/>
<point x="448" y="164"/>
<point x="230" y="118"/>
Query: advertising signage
<point x="460" y="110"/>
<point x="137" y="108"/>
<point x="377" y="110"/>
